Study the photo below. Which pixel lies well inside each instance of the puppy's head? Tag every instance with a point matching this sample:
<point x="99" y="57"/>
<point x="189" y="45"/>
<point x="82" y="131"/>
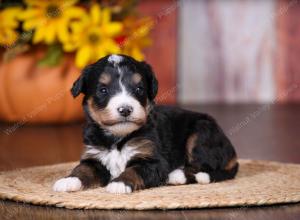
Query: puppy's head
<point x="118" y="93"/>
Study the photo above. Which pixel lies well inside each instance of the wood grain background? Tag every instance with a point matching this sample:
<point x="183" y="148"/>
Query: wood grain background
<point x="288" y="51"/>
<point x="227" y="51"/>
<point x="162" y="55"/>
<point x="215" y="51"/>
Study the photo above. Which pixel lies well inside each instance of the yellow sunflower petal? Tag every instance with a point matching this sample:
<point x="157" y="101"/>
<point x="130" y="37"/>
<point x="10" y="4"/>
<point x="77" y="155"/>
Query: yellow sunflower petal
<point x="30" y="13"/>
<point x="95" y="30"/>
<point x="69" y="46"/>
<point x="36" y="3"/>
<point x="96" y="13"/>
<point x="62" y="31"/>
<point x="137" y="54"/>
<point x="74" y="12"/>
<point x="8" y="37"/>
<point x="68" y="3"/>
<point x="39" y="35"/>
<point x="77" y="26"/>
<point x="83" y="56"/>
<point x="32" y="23"/>
<point x="111" y="46"/>
<point x="112" y="28"/>
<point x="100" y="52"/>
<point x="106" y="16"/>
<point x="12" y="11"/>
<point x="11" y="15"/>
<point x="9" y="23"/>
<point x="50" y="33"/>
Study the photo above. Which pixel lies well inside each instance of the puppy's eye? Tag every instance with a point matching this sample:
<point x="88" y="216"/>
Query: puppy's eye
<point x="139" y="90"/>
<point x="103" y="90"/>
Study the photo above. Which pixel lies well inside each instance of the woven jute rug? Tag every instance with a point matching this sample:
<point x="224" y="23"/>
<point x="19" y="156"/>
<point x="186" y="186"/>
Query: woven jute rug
<point x="257" y="183"/>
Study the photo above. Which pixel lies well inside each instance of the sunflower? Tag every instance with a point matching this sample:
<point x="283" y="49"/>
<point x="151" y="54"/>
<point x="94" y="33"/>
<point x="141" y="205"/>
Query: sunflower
<point x="8" y="24"/>
<point x="137" y="37"/>
<point x="93" y="37"/>
<point x="50" y="19"/>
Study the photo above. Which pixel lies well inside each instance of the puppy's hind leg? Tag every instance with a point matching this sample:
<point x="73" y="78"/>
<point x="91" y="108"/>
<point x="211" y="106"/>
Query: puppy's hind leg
<point x="210" y="156"/>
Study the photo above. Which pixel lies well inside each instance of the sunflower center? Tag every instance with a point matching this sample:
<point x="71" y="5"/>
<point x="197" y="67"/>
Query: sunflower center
<point x="94" y="38"/>
<point x="53" y="11"/>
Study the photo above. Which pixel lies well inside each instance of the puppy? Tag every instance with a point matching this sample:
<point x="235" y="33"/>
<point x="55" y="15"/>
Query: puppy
<point x="132" y="144"/>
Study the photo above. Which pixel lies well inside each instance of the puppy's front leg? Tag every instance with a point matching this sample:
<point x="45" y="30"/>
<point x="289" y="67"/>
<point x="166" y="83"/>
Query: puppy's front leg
<point x="88" y="173"/>
<point x="139" y="176"/>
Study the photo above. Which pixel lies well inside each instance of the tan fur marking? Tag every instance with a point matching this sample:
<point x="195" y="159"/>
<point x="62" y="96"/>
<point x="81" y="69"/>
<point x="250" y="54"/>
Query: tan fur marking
<point x="129" y="176"/>
<point x="99" y="115"/>
<point x="149" y="107"/>
<point x="190" y="145"/>
<point x="136" y="78"/>
<point x="231" y="164"/>
<point x="143" y="146"/>
<point x="105" y="78"/>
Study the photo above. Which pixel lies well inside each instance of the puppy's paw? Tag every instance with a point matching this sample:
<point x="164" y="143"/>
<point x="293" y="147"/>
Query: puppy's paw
<point x="68" y="184"/>
<point x="118" y="187"/>
<point x="202" y="178"/>
<point x="176" y="177"/>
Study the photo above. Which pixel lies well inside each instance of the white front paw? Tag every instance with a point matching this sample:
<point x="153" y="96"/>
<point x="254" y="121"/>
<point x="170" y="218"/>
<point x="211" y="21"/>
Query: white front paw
<point x="68" y="184"/>
<point x="118" y="187"/>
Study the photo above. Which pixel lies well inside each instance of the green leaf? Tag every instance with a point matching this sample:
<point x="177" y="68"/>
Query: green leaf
<point x="52" y="57"/>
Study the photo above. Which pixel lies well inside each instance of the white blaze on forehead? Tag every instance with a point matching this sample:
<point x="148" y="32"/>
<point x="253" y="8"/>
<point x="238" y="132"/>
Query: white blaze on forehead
<point x="115" y="58"/>
<point x="123" y="97"/>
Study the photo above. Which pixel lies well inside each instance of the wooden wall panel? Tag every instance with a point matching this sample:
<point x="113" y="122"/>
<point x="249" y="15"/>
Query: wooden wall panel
<point x="162" y="54"/>
<point x="288" y="52"/>
<point x="227" y="51"/>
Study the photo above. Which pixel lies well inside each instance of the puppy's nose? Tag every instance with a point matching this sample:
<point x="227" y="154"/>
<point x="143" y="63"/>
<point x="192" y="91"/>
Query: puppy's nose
<point x="125" y="110"/>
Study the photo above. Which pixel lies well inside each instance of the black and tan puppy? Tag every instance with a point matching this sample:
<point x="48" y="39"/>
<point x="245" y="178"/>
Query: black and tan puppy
<point x="132" y="144"/>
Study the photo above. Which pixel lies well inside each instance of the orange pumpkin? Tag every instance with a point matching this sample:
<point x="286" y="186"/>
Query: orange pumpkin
<point x="33" y="94"/>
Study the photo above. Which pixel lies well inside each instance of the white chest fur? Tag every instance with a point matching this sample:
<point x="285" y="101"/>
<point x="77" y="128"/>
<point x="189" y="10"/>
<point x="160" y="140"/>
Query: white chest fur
<point x="114" y="160"/>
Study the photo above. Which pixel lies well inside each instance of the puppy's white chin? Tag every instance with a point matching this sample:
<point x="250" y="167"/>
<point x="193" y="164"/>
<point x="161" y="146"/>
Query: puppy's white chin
<point x="122" y="129"/>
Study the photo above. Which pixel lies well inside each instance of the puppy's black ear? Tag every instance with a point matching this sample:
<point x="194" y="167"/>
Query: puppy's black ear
<point x="151" y="79"/>
<point x="79" y="85"/>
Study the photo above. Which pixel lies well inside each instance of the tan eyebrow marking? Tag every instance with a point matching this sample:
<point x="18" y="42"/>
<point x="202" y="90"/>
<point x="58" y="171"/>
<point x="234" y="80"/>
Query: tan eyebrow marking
<point x="105" y="78"/>
<point x="136" y="78"/>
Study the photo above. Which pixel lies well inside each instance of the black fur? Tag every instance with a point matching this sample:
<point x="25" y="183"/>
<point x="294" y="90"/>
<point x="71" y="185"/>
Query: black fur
<point x="167" y="128"/>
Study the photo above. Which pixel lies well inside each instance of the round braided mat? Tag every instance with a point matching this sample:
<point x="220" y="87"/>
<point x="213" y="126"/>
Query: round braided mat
<point x="257" y="183"/>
